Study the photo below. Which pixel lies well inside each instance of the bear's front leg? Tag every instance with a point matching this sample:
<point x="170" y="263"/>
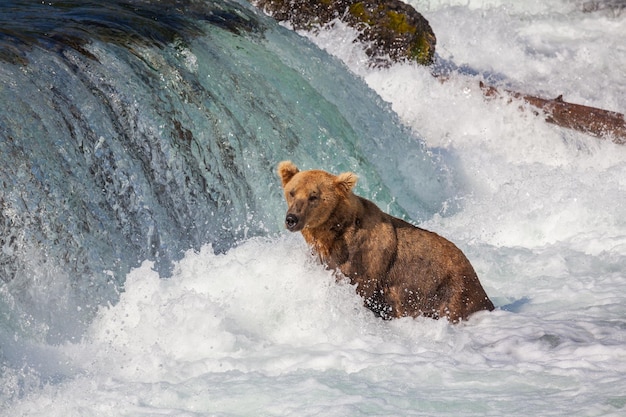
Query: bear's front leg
<point x="371" y="253"/>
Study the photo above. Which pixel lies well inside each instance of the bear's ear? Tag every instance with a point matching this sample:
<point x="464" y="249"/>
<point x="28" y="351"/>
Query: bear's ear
<point x="346" y="181"/>
<point x="286" y="170"/>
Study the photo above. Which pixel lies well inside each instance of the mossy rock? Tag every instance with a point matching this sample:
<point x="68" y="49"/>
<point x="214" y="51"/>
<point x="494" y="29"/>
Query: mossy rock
<point x="392" y="30"/>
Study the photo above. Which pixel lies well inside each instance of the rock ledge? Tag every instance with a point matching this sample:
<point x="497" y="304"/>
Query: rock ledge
<point x="392" y="31"/>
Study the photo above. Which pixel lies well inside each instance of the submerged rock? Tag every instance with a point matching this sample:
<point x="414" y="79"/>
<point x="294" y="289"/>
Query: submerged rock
<point x="390" y="29"/>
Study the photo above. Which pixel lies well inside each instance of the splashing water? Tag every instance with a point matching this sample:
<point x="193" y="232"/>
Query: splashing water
<point x="229" y="317"/>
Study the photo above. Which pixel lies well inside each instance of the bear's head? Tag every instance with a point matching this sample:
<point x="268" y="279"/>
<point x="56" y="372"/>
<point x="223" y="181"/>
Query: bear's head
<point x="312" y="196"/>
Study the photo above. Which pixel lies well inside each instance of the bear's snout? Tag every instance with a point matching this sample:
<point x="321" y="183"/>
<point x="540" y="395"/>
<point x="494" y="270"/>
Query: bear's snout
<point x="291" y="221"/>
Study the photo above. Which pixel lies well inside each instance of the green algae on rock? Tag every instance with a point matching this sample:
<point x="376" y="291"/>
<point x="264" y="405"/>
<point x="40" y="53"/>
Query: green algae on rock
<point x="392" y="30"/>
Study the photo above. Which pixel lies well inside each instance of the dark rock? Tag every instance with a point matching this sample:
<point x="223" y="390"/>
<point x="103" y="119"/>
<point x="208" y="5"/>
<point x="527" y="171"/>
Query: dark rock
<point x="390" y="29"/>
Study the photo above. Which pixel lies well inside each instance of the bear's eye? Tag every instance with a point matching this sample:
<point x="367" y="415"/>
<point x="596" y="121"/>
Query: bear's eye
<point x="292" y="193"/>
<point x="312" y="197"/>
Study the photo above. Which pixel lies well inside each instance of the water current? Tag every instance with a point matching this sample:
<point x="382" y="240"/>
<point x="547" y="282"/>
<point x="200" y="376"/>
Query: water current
<point x="143" y="263"/>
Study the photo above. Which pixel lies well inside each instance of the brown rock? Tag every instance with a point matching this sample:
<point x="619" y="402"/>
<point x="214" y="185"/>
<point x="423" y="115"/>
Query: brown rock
<point x="394" y="31"/>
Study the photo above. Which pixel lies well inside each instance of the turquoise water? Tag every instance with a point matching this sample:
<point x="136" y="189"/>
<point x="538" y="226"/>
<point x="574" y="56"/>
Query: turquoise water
<point x="119" y="150"/>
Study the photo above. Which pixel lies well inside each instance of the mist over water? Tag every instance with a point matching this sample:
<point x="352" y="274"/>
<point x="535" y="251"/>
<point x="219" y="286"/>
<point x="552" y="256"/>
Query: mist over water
<point x="144" y="268"/>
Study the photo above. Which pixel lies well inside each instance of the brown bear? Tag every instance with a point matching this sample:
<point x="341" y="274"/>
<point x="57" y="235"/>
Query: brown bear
<point x="399" y="269"/>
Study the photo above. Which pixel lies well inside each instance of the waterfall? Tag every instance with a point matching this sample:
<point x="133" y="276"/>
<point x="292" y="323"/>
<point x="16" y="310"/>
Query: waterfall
<point x="134" y="131"/>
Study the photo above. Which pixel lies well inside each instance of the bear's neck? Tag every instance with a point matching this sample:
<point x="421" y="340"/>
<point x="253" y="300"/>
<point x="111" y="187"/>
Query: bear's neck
<point x="324" y="238"/>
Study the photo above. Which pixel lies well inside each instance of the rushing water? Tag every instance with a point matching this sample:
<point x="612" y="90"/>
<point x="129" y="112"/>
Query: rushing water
<point x="144" y="131"/>
<point x="126" y="140"/>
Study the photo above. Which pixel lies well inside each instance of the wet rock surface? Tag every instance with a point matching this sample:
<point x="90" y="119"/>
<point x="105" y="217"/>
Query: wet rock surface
<point x="392" y="30"/>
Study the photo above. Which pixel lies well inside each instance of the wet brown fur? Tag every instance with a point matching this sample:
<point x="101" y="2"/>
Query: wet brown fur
<point x="399" y="269"/>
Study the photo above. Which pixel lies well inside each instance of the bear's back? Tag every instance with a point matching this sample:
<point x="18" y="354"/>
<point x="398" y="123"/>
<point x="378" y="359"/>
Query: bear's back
<point x="435" y="268"/>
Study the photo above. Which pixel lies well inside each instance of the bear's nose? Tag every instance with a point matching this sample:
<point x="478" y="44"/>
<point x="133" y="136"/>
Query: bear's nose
<point x="291" y="221"/>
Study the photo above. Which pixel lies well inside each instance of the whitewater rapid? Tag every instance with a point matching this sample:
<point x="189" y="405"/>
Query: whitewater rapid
<point x="540" y="211"/>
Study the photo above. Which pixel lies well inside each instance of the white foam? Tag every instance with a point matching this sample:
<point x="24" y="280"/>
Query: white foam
<point x="265" y="330"/>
